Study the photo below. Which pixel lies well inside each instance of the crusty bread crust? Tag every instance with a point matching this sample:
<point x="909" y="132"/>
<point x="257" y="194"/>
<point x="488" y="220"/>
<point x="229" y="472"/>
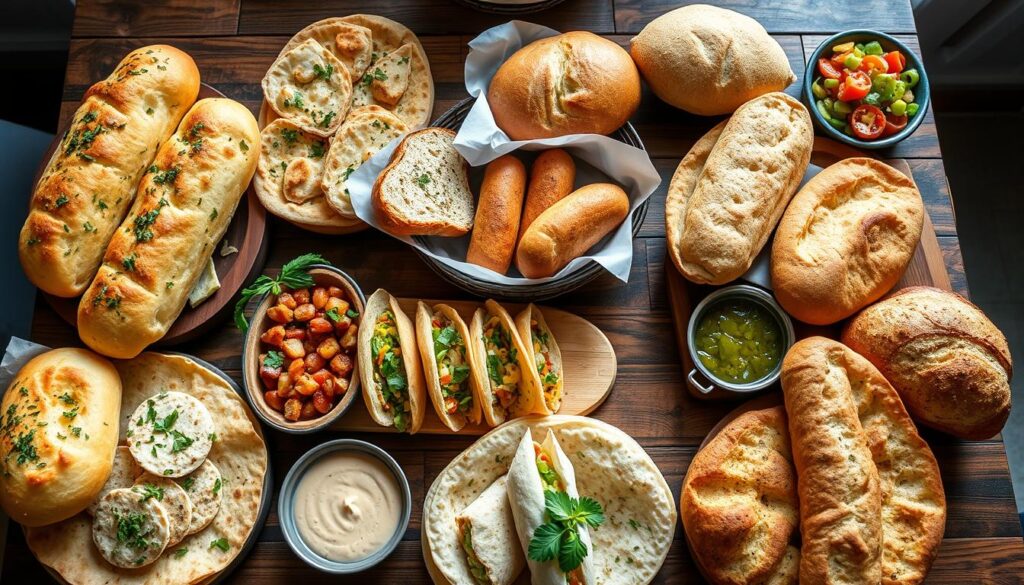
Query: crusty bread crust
<point x="552" y="178"/>
<point x="497" y="214"/>
<point x="948" y="361"/>
<point x="845" y="240"/>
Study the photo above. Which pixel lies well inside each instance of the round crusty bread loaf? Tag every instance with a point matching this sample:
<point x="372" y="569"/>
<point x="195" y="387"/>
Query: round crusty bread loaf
<point x="573" y="83"/>
<point x="948" y="361"/>
<point x="739" y="502"/>
<point x="58" y="433"/>
<point x="708" y="60"/>
<point x="845" y="240"/>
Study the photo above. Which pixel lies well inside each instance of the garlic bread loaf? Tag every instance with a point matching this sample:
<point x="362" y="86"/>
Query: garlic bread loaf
<point x="184" y="205"/>
<point x="89" y="183"/>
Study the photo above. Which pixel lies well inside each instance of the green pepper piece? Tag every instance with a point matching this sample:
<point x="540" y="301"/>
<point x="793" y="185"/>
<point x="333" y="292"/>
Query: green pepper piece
<point x="818" y="91"/>
<point x="884" y="85"/>
<point x="898" y="107"/>
<point x="910" y="77"/>
<point x="842" y="108"/>
<point x="822" y="110"/>
<point x="837" y="124"/>
<point x="859" y="47"/>
<point x="852" y="62"/>
<point x="912" y="109"/>
<point x="831" y="83"/>
<point x="873" y="48"/>
<point x="900" y="89"/>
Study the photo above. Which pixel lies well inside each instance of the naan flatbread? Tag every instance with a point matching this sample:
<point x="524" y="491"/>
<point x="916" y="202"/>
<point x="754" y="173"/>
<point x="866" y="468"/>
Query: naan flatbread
<point x="311" y="87"/>
<point x="351" y="44"/>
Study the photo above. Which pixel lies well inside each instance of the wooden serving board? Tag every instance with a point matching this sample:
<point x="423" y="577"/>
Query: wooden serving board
<point x="247" y="232"/>
<point x="926" y="268"/>
<point x="588" y="360"/>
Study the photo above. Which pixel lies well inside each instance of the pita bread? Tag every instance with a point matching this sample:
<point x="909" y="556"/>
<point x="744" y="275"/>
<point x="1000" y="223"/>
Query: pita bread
<point x="150" y="535"/>
<point x="203" y="487"/>
<point x="238" y="452"/>
<point x="351" y="44"/>
<point x="174" y="500"/>
<point x="492" y="534"/>
<point x="311" y="87"/>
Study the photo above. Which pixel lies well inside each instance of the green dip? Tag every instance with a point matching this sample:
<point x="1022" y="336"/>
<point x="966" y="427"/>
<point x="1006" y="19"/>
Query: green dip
<point x="738" y="341"/>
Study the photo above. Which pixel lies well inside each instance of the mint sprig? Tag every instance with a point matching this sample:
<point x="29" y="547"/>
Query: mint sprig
<point x="559" y="538"/>
<point x="294" y="274"/>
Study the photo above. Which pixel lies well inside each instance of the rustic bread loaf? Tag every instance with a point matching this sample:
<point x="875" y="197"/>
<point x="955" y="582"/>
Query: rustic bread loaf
<point x="731" y="189"/>
<point x="739" y="501"/>
<point x="184" y="205"/>
<point x="573" y="83"/>
<point x="58" y="434"/>
<point x="496" y="225"/>
<point x="89" y="183"/>
<point x="552" y="177"/>
<point x="709" y="60"/>
<point x="948" y="361"/>
<point x="845" y="240"/>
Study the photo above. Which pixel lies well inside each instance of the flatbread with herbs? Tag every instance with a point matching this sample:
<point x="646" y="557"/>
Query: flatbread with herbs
<point x="311" y="87"/>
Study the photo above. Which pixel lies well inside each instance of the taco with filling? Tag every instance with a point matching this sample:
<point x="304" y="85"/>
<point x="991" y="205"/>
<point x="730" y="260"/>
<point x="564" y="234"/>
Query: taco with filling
<point x="546" y="373"/>
<point x="443" y="339"/>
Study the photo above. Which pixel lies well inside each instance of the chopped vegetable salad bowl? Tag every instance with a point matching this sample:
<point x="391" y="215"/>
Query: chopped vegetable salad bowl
<point x="866" y="88"/>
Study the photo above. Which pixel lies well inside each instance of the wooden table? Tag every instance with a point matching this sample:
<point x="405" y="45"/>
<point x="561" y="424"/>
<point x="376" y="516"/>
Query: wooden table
<point x="235" y="41"/>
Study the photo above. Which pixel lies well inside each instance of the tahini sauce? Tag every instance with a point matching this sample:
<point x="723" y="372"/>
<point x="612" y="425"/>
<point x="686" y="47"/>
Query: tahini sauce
<point x="347" y="506"/>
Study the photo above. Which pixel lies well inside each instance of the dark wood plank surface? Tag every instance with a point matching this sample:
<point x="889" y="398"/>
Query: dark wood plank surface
<point x="234" y="41"/>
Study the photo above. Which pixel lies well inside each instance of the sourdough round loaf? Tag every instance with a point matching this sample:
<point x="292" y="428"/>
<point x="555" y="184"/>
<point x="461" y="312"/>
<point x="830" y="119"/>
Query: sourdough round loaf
<point x="845" y="240"/>
<point x="948" y="361"/>
<point x="57" y="436"/>
<point x="708" y="60"/>
<point x="573" y="83"/>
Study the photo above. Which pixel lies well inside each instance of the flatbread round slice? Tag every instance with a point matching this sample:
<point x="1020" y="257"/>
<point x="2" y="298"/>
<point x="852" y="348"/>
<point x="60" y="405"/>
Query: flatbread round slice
<point x="365" y="132"/>
<point x="171" y="434"/>
<point x="174" y="499"/>
<point x="130" y="531"/>
<point x="351" y="44"/>
<point x="311" y="87"/>
<point x="122" y="475"/>
<point x="203" y="487"/>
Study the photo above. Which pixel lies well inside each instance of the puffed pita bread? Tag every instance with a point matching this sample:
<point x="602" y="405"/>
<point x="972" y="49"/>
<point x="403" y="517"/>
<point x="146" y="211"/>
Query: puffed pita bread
<point x="365" y="132"/>
<point x="311" y="87"/>
<point x="351" y="43"/>
<point x="238" y="451"/>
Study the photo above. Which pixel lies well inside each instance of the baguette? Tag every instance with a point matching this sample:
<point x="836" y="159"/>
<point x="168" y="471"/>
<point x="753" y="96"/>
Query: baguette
<point x="184" y="205"/>
<point x="89" y="183"/>
<point x="552" y="177"/>
<point x="570" y="227"/>
<point x="497" y="214"/>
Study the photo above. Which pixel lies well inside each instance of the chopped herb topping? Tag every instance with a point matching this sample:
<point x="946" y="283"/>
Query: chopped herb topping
<point x="323" y="72"/>
<point x="129" y="262"/>
<point x="221" y="543"/>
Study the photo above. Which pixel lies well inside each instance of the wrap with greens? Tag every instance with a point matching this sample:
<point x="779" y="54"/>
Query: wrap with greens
<point x="546" y="373"/>
<point x="443" y="339"/>
<point x="389" y="365"/>
<point x="487" y="534"/>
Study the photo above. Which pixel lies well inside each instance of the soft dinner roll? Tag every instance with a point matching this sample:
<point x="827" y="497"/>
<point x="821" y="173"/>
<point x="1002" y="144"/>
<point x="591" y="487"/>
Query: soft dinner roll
<point x="574" y="83"/>
<point x="709" y="60"/>
<point x="948" y="361"/>
<point x="58" y="432"/>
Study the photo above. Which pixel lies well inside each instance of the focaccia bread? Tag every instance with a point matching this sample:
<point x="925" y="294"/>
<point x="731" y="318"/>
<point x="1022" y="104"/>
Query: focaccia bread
<point x="845" y="240"/>
<point x="718" y="222"/>
<point x="739" y="501"/>
<point x="89" y="183"/>
<point x="184" y="206"/>
<point x="311" y="87"/>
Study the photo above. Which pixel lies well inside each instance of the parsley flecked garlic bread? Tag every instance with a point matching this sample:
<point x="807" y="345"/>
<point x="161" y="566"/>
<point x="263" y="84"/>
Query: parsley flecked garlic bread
<point x="89" y="182"/>
<point x="184" y="205"/>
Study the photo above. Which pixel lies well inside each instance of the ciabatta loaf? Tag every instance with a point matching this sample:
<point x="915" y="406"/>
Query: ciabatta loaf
<point x="425" y="190"/>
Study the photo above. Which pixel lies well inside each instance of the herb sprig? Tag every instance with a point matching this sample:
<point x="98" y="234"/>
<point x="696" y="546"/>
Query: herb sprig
<point x="294" y="274"/>
<point x="559" y="538"/>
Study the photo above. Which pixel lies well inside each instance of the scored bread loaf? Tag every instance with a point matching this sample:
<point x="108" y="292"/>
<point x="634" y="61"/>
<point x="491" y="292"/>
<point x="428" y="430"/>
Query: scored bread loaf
<point x="183" y="208"/>
<point x="739" y="502"/>
<point x="845" y="240"/>
<point x="948" y="361"/>
<point x="425" y="190"/>
<point x="89" y="183"/>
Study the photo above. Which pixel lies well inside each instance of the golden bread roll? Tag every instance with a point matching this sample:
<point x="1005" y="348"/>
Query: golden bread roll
<point x="739" y="502"/>
<point x="552" y="177"/>
<point x="845" y="240"/>
<point x="183" y="208"/>
<point x="58" y="434"/>
<point x="573" y="83"/>
<point x="709" y="60"/>
<point x="569" y="228"/>
<point x="732" y="187"/>
<point x="913" y="503"/>
<point x="496" y="224"/>
<point x="948" y="361"/>
<point x="838" y="483"/>
<point x="89" y="183"/>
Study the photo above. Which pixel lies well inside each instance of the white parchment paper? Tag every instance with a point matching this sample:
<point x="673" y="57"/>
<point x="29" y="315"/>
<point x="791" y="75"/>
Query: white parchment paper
<point x="19" y="352"/>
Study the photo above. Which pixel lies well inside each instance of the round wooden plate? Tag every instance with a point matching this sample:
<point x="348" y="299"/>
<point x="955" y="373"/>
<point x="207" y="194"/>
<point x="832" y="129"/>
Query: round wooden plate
<point x="247" y="232"/>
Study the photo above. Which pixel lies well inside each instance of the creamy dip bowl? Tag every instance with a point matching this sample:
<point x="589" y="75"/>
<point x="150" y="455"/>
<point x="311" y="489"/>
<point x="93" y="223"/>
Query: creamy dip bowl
<point x="344" y="506"/>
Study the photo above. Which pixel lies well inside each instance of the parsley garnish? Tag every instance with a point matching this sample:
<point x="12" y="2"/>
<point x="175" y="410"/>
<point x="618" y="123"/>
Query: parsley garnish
<point x="323" y="72"/>
<point x="128" y="262"/>
<point x="221" y="543"/>
<point x="274" y="359"/>
<point x="295" y="101"/>
<point x="165" y="425"/>
<point x="61" y="201"/>
<point x="243" y="146"/>
<point x="151" y="491"/>
<point x="559" y="537"/>
<point x="423" y="179"/>
<point x="294" y="274"/>
<point x="130" y="531"/>
<point x="216" y="486"/>
<point x="333" y="314"/>
<point x="316" y="149"/>
<point x="289" y="135"/>
<point x="181" y="552"/>
<point x="188" y="483"/>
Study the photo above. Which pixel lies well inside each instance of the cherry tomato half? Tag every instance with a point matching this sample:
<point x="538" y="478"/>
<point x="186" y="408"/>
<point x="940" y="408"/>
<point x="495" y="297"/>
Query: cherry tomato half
<point x="868" y="122"/>
<point x="855" y="86"/>
<point x="894" y="124"/>
<point x="827" y="69"/>
<point x="896" y="61"/>
<point x="873" y="63"/>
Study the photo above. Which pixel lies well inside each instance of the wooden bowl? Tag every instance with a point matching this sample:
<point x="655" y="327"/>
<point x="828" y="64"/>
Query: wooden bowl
<point x="323" y="275"/>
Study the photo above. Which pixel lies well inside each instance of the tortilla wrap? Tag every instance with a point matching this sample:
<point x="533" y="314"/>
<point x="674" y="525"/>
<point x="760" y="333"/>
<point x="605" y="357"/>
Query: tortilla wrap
<point x="238" y="451"/>
<point x="379" y="302"/>
<point x="530" y="400"/>
<point x="493" y="530"/>
<point x="640" y="512"/>
<point x="425" y="340"/>
<point x="523" y="319"/>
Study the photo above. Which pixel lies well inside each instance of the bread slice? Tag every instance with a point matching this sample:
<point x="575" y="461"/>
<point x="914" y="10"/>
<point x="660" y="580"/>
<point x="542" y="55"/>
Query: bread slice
<point x="424" y="190"/>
